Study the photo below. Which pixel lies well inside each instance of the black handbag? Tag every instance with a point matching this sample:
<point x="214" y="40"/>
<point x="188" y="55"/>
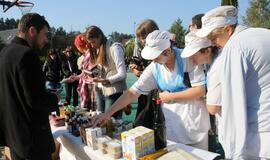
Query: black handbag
<point x="152" y="117"/>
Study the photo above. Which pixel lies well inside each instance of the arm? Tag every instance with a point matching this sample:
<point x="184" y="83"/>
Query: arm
<point x="45" y="67"/>
<point x="135" y="70"/>
<point x="213" y="96"/>
<point x="214" y="109"/>
<point x="117" y="53"/>
<point x="33" y="84"/>
<point x="138" y="88"/>
<point x="129" y="96"/>
<point x="188" y="94"/>
<point x="197" y="80"/>
<point x="65" y="68"/>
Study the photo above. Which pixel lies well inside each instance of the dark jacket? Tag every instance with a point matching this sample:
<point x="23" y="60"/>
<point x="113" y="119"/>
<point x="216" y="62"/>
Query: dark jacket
<point x="69" y="65"/>
<point x="52" y="70"/>
<point x="24" y="102"/>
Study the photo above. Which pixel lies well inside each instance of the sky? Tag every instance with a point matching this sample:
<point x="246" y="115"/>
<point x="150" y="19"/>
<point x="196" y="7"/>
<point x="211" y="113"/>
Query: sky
<point x="122" y="16"/>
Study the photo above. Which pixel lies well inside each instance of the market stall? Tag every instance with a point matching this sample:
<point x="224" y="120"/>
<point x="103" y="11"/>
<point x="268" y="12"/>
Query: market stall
<point x="72" y="148"/>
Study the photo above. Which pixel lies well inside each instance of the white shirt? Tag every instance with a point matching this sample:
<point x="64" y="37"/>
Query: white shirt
<point x="213" y="96"/>
<point x="147" y="82"/>
<point x="245" y="86"/>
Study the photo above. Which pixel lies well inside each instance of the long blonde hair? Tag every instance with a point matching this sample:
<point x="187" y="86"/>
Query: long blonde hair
<point x="95" y="32"/>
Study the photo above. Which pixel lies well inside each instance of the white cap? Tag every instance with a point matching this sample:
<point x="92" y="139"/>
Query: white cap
<point x="193" y="44"/>
<point x="216" y="18"/>
<point x="155" y="43"/>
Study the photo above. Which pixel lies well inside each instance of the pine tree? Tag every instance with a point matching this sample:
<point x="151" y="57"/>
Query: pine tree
<point x="179" y="31"/>
<point x="258" y="14"/>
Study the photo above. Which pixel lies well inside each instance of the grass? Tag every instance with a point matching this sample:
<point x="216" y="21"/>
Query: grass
<point x="131" y="78"/>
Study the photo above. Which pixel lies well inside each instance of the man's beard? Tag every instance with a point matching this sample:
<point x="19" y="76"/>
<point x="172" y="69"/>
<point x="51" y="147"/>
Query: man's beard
<point x="35" y="45"/>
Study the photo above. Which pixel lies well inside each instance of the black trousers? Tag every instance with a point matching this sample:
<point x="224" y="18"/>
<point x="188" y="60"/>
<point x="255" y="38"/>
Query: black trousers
<point x="71" y="91"/>
<point x="15" y="156"/>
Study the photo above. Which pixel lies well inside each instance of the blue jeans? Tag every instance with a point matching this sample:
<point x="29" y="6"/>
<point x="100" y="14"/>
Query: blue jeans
<point x="104" y="103"/>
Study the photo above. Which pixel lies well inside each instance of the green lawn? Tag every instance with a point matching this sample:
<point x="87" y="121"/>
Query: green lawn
<point x="131" y="78"/>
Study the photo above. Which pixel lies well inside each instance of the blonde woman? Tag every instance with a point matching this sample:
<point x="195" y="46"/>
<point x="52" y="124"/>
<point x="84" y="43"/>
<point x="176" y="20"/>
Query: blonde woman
<point x="112" y="80"/>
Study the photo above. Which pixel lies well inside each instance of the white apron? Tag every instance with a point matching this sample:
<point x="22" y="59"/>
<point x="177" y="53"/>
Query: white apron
<point x="187" y="122"/>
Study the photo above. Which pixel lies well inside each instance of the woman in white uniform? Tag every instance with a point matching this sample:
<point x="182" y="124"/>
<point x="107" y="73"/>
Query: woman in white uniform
<point x="186" y="116"/>
<point x="200" y="51"/>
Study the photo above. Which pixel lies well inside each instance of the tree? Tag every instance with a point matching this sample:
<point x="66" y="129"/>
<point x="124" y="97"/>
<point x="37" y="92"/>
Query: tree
<point x="258" y="14"/>
<point x="115" y="37"/>
<point x="8" y="23"/>
<point x="119" y="37"/>
<point x="60" y="38"/>
<point x="179" y="31"/>
<point x="60" y="32"/>
<point x="129" y="47"/>
<point x="229" y="2"/>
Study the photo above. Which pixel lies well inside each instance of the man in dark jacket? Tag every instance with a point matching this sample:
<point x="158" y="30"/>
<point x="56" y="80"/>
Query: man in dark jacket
<point x="52" y="71"/>
<point x="70" y="68"/>
<point x="24" y="102"/>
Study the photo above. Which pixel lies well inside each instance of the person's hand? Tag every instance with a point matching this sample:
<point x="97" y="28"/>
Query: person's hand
<point x="136" y="72"/>
<point x="88" y="79"/>
<point x="71" y="78"/>
<point x="101" y="80"/>
<point x="135" y="66"/>
<point x="135" y="69"/>
<point x="165" y="97"/>
<point x="101" y="119"/>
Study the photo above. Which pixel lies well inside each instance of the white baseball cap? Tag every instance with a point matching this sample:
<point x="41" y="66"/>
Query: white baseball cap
<point x="155" y="43"/>
<point x="193" y="44"/>
<point x="216" y="18"/>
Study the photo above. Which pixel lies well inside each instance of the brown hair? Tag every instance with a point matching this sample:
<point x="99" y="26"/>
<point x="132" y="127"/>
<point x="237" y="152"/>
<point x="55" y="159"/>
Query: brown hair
<point x="147" y="26"/>
<point x="51" y="52"/>
<point x="214" y="50"/>
<point x="95" y="32"/>
<point x="197" y="20"/>
<point x="32" y="19"/>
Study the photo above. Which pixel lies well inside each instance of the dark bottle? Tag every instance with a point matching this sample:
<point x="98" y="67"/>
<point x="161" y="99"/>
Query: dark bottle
<point x="70" y="126"/>
<point x="159" y="123"/>
<point x="74" y="124"/>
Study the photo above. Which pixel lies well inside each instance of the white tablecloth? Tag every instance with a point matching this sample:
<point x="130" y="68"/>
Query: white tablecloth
<point x="72" y="148"/>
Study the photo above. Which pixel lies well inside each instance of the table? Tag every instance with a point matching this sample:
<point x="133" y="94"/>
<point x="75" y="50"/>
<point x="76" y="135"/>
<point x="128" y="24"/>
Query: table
<point x="72" y="148"/>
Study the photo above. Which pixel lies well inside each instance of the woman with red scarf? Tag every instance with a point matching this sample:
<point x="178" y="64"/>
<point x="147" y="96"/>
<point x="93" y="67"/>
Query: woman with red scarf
<point x="85" y="88"/>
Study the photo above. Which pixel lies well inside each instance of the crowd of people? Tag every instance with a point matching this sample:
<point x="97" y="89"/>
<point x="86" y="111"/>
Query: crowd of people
<point x="223" y="70"/>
